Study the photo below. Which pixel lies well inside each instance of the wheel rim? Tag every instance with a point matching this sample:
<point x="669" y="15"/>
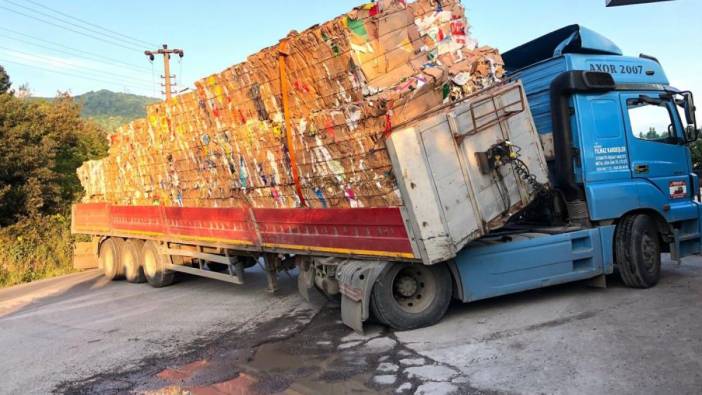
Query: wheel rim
<point x="414" y="288"/>
<point x="649" y="253"/>
<point x="149" y="263"/>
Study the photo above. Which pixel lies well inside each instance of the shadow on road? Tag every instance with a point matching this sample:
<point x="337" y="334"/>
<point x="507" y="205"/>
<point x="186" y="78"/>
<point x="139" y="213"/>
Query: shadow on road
<point x="25" y="298"/>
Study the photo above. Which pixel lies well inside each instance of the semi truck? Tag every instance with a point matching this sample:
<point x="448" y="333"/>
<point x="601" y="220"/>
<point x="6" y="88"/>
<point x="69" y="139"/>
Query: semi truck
<point x="618" y="190"/>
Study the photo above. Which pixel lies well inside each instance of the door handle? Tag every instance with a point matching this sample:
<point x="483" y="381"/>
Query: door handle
<point x="641" y="169"/>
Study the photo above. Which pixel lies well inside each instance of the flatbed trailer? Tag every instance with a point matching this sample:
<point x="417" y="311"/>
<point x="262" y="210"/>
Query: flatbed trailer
<point x="616" y="198"/>
<point x="349" y="233"/>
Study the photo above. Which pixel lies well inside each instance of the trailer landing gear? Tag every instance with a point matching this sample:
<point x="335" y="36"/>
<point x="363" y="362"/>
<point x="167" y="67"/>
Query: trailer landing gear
<point x="305" y="281"/>
<point x="272" y="263"/>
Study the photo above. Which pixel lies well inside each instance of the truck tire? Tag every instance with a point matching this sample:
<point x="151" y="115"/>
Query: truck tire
<point x="411" y="296"/>
<point x="638" y="251"/>
<point x="110" y="258"/>
<point x="131" y="260"/>
<point x="154" y="265"/>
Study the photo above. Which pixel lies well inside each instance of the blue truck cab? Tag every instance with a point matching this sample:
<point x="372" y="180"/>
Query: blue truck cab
<point x="621" y="189"/>
<point x="616" y="136"/>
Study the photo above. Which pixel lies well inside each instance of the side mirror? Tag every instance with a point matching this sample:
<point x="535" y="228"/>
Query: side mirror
<point x="691" y="133"/>
<point x="690" y="109"/>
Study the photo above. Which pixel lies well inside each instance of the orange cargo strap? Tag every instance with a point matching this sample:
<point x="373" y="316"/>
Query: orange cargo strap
<point x="283" y="52"/>
<point x="388" y="120"/>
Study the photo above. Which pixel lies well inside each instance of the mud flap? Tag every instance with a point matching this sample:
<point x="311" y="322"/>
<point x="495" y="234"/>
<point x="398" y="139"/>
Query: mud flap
<point x="356" y="279"/>
<point x="598" y="282"/>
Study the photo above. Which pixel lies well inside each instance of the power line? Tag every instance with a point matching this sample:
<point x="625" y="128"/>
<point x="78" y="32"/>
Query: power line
<point x="136" y="40"/>
<point x="78" y="76"/>
<point x="99" y="74"/>
<point x="64" y="21"/>
<point x="153" y="78"/>
<point x="78" y="67"/>
<point x="69" y="29"/>
<point x="71" y="48"/>
<point x="87" y="55"/>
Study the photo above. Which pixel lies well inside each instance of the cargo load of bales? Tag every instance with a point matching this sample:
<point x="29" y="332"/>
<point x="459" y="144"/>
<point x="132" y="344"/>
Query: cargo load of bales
<point x="302" y="123"/>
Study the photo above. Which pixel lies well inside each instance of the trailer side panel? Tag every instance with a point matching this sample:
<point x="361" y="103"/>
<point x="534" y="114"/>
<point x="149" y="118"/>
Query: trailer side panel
<point x="365" y="232"/>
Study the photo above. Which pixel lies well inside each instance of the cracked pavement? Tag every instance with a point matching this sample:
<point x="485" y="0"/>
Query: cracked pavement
<point x="82" y="334"/>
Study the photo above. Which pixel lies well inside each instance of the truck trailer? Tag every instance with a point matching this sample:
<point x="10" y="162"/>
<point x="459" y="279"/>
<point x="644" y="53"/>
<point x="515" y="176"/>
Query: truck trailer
<point x="574" y="166"/>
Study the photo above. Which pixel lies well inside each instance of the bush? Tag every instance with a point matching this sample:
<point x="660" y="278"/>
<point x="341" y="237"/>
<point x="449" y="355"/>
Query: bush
<point x="41" y="146"/>
<point x="35" y="248"/>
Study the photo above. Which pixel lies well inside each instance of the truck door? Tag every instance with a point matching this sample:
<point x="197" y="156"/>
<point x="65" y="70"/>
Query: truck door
<point x="658" y="153"/>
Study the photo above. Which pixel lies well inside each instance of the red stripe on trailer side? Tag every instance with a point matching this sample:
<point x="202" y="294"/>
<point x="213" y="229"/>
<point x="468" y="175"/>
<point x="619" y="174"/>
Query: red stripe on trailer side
<point x="138" y="220"/>
<point x="226" y="225"/>
<point x="362" y="231"/>
<point x="368" y="232"/>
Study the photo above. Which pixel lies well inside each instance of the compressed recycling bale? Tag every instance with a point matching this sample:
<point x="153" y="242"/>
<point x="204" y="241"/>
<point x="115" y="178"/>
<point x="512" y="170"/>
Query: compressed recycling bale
<point x="350" y="80"/>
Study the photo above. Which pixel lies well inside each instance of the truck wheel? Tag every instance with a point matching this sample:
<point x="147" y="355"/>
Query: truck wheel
<point x="110" y="258"/>
<point x="131" y="260"/>
<point x="410" y="296"/>
<point x="154" y="265"/>
<point x="638" y="251"/>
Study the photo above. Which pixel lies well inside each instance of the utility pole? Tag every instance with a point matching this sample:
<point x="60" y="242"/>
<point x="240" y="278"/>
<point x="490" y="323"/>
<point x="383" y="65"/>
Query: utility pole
<point x="166" y="65"/>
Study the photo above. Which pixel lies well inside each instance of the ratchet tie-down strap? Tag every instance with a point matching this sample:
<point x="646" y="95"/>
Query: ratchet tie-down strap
<point x="283" y="52"/>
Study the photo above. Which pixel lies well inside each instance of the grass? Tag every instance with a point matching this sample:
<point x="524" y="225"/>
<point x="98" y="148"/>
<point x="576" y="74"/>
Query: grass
<point x="34" y="249"/>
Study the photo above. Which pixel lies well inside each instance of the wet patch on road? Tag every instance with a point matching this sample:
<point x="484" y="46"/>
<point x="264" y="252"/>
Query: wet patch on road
<point x="296" y="354"/>
<point x="208" y="360"/>
<point x="327" y="357"/>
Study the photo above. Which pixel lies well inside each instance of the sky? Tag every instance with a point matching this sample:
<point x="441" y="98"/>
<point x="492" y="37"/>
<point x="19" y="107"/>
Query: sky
<point x="215" y="34"/>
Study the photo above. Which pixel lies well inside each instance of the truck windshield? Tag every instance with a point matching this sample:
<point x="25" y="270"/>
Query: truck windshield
<point x="651" y="121"/>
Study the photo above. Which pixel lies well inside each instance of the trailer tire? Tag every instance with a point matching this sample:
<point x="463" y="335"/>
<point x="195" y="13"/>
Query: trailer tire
<point x="110" y="257"/>
<point x="411" y="296"/>
<point x="154" y="264"/>
<point x="132" y="261"/>
<point x="638" y="251"/>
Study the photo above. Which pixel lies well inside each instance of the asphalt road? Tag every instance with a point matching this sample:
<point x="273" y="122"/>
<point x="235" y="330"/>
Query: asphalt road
<point x="82" y="334"/>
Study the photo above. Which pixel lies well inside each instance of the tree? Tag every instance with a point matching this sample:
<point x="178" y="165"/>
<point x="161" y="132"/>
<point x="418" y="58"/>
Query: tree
<point x="652" y="134"/>
<point x="23" y="92"/>
<point x="79" y="140"/>
<point x="41" y="146"/>
<point x="696" y="149"/>
<point x="4" y="81"/>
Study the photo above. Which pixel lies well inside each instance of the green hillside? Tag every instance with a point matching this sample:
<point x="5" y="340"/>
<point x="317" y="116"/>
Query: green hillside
<point x="112" y="109"/>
